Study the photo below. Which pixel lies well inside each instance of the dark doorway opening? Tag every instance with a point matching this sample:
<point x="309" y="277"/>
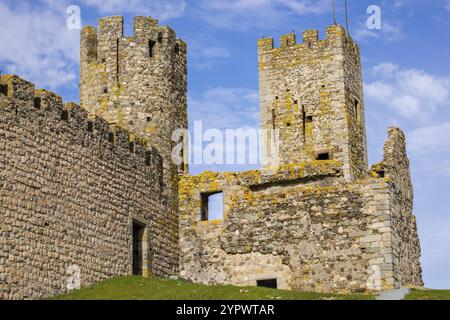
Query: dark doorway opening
<point x="267" y="283"/>
<point x="138" y="248"/>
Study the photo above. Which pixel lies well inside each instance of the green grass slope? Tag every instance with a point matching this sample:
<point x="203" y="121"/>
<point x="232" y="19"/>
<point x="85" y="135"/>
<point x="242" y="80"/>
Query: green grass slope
<point x="428" y="295"/>
<point x="138" y="288"/>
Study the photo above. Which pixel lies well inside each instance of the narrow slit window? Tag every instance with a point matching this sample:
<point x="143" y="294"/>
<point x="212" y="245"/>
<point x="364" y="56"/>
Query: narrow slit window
<point x="356" y="106"/>
<point x="37" y="103"/>
<point x="90" y="126"/>
<point x="212" y="206"/>
<point x="132" y="147"/>
<point x="177" y="49"/>
<point x="304" y="123"/>
<point x="267" y="283"/>
<point x="160" y="37"/>
<point x="112" y="137"/>
<point x="151" y="48"/>
<point x="273" y="119"/>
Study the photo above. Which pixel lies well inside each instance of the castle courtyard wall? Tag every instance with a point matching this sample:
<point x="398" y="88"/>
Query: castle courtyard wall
<point x="70" y="189"/>
<point x="304" y="226"/>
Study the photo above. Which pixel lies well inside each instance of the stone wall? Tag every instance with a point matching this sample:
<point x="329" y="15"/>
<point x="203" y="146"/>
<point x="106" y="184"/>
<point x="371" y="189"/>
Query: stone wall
<point x="308" y="93"/>
<point x="304" y="226"/>
<point x="70" y="188"/>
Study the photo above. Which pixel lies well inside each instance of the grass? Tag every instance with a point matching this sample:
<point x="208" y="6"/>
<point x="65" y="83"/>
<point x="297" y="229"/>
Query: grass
<point x="428" y="295"/>
<point x="138" y="288"/>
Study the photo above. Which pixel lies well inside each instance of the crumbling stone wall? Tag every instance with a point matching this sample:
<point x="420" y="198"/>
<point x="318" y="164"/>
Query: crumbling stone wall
<point x="406" y="246"/>
<point x="304" y="226"/>
<point x="70" y="188"/>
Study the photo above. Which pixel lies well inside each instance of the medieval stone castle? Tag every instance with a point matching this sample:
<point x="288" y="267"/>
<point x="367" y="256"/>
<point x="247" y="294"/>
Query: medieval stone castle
<point x="93" y="188"/>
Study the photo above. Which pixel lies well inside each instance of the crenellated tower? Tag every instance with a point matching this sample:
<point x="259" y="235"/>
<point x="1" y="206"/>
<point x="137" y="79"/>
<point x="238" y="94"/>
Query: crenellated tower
<point x="137" y="83"/>
<point x="312" y="94"/>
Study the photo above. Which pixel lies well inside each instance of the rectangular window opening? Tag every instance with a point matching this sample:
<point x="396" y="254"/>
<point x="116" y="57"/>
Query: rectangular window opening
<point x="323" y="156"/>
<point x="37" y="102"/>
<point x="212" y="206"/>
<point x="151" y="48"/>
<point x="90" y="126"/>
<point x="65" y="115"/>
<point x="267" y="283"/>
<point x="4" y="89"/>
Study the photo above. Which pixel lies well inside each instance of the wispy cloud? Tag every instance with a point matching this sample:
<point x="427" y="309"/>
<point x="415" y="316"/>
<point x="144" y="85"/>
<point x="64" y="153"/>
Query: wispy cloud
<point x="202" y="57"/>
<point x="161" y="9"/>
<point x="390" y="31"/>
<point x="37" y="45"/>
<point x="410" y="92"/>
<point x="225" y="108"/>
<point x="244" y="14"/>
<point x="447" y="6"/>
<point x="431" y="140"/>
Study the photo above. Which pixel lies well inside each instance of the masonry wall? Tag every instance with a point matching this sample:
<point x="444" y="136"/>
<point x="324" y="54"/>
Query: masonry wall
<point x="69" y="191"/>
<point x="303" y="226"/>
<point x="405" y="239"/>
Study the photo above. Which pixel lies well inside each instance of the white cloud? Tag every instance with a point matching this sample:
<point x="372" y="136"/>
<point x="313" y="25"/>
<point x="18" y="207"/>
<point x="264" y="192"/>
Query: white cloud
<point x="244" y="14"/>
<point x="410" y="92"/>
<point x="430" y="140"/>
<point x="161" y="9"/>
<point x="37" y="45"/>
<point x="226" y="108"/>
<point x="207" y="57"/>
<point x="390" y="31"/>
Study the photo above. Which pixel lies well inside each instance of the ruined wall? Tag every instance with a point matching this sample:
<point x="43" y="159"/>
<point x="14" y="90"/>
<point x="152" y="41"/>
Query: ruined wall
<point x="304" y="226"/>
<point x="405" y="239"/>
<point x="69" y="191"/>
<point x="308" y="92"/>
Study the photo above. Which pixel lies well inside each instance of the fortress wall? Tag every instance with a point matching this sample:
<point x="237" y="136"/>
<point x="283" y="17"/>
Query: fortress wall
<point x="69" y="191"/>
<point x="305" y="227"/>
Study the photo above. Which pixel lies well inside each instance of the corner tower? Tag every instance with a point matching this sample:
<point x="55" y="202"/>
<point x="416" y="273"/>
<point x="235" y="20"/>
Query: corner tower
<point x="312" y="94"/>
<point x="137" y="83"/>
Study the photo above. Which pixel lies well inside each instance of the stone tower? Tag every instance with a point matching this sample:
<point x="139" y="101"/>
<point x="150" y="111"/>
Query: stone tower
<point x="137" y="83"/>
<point x="312" y="94"/>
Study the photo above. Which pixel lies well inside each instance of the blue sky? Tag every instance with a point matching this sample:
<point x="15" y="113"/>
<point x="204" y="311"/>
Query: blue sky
<point x="406" y="70"/>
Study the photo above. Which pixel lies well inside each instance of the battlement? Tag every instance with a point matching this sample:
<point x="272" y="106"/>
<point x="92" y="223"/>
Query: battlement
<point x="335" y="36"/>
<point x="23" y="100"/>
<point x="111" y="30"/>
